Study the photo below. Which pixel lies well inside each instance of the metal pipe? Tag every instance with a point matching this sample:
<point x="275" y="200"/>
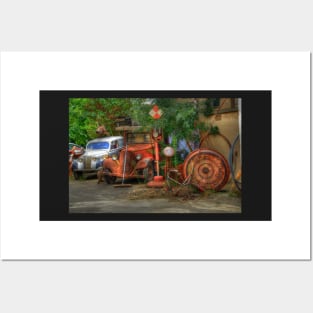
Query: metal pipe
<point x="124" y="167"/>
<point x="157" y="158"/>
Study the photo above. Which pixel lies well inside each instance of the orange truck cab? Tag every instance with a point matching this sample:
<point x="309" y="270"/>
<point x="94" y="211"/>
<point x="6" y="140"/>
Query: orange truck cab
<point x="135" y="160"/>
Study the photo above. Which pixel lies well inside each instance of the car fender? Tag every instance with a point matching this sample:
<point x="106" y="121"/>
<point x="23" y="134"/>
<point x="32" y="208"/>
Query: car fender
<point x="110" y="164"/>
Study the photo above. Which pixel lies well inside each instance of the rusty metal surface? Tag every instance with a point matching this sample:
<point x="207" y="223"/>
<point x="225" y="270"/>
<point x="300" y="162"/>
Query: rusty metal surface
<point x="157" y="182"/>
<point x="132" y="165"/>
<point x="208" y="169"/>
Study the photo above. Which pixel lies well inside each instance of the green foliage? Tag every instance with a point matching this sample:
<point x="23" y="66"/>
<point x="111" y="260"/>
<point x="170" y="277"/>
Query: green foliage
<point x="179" y="119"/>
<point x="86" y="114"/>
<point x="214" y="130"/>
<point x="208" y="109"/>
<point x="209" y="105"/>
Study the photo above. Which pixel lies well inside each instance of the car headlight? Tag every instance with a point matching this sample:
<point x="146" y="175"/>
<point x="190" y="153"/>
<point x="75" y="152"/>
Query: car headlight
<point x="80" y="160"/>
<point x="138" y="157"/>
<point x="114" y="157"/>
<point x="106" y="155"/>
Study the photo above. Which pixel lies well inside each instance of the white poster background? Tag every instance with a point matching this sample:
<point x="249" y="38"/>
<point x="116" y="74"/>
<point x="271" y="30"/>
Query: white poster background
<point x="24" y="74"/>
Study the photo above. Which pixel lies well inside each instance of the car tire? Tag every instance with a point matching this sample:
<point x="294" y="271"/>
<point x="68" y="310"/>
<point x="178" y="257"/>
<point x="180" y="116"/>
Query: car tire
<point x="77" y="175"/>
<point x="148" y="173"/>
<point x="109" y="179"/>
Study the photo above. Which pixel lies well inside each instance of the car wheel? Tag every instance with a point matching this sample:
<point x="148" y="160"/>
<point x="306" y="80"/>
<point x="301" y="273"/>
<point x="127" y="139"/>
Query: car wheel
<point x="148" y="173"/>
<point x="78" y="175"/>
<point x="109" y="179"/>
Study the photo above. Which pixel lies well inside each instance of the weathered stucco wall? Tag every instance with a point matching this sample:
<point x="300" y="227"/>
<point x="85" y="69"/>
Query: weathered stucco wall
<point x="226" y="117"/>
<point x="228" y="126"/>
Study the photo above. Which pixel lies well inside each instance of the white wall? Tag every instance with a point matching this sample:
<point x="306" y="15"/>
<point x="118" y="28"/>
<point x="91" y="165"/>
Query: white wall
<point x="246" y="286"/>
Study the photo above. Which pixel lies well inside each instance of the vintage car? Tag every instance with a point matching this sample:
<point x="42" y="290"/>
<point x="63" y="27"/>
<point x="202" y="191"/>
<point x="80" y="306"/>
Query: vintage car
<point x="96" y="149"/>
<point x="75" y="150"/>
<point x="135" y="160"/>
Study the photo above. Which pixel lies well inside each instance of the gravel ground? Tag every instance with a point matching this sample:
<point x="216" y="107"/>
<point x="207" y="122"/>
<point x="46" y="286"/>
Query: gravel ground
<point x="86" y="196"/>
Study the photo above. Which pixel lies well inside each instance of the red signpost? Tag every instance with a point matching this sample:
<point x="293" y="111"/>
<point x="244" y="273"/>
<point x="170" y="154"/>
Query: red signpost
<point x="158" y="181"/>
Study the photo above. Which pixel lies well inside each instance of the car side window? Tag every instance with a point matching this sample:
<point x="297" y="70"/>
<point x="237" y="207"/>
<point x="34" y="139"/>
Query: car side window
<point x="114" y="144"/>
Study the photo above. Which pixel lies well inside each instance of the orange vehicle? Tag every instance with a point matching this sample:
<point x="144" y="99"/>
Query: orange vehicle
<point x="204" y="168"/>
<point x="135" y="160"/>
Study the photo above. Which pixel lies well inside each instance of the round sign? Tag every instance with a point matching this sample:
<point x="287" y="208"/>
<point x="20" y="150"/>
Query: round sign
<point x="168" y="152"/>
<point x="155" y="112"/>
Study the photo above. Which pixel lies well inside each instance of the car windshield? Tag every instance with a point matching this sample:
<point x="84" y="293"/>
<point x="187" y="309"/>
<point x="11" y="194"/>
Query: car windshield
<point x="98" y="145"/>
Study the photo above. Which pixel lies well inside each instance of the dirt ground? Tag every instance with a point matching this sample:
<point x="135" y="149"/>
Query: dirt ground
<point x="86" y="196"/>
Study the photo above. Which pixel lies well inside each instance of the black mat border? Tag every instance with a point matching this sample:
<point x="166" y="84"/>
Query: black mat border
<point x="256" y="149"/>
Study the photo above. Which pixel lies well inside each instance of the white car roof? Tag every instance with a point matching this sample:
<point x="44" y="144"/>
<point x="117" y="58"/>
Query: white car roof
<point x="101" y="139"/>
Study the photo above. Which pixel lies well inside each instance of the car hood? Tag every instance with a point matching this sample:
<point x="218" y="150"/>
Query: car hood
<point x="95" y="153"/>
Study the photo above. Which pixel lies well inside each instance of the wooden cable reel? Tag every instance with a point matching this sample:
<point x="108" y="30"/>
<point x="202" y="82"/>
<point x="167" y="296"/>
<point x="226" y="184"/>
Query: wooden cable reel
<point x="208" y="169"/>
